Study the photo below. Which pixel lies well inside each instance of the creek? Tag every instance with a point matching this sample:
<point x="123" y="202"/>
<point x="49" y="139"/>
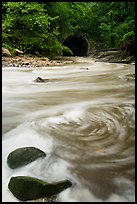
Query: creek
<point x="83" y="118"/>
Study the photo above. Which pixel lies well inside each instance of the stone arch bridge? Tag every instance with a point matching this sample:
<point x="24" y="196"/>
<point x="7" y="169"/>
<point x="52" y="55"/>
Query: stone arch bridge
<point x="79" y="45"/>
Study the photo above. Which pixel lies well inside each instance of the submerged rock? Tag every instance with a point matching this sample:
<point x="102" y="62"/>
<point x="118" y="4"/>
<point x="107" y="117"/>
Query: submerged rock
<point x="39" y="79"/>
<point x="23" y="156"/>
<point x="27" y="188"/>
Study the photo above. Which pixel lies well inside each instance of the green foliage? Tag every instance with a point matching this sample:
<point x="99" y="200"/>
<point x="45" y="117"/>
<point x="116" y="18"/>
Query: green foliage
<point x="67" y="50"/>
<point x="118" y="20"/>
<point x="26" y="26"/>
<point x="128" y="36"/>
<point x="43" y="26"/>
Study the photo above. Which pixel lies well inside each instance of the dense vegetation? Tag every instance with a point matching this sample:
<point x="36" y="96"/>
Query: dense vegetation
<point x="42" y="26"/>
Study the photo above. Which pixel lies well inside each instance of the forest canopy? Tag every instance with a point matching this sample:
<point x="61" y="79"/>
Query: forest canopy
<point x="43" y="26"/>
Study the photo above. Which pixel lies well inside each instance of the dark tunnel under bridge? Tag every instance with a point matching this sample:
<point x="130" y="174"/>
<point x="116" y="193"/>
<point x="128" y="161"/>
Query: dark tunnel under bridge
<point x="77" y="44"/>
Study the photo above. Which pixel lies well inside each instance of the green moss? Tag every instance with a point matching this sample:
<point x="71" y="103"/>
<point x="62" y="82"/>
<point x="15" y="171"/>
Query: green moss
<point x="29" y="188"/>
<point x="23" y="156"/>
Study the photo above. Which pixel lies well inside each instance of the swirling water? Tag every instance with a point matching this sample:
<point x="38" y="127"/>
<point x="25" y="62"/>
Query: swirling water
<point x="83" y="118"/>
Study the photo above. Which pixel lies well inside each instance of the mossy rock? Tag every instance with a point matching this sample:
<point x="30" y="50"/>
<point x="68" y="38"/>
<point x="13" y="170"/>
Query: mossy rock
<point x="23" y="156"/>
<point x="27" y="188"/>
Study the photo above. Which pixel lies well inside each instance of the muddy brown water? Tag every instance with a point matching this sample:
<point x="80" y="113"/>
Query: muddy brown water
<point x="83" y="118"/>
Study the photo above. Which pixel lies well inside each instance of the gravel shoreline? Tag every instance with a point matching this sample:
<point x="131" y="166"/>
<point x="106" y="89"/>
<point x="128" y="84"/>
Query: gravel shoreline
<point x="33" y="61"/>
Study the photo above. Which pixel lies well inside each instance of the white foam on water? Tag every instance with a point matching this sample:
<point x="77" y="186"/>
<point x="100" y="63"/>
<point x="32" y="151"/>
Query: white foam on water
<point x="84" y="195"/>
<point x="21" y="136"/>
<point x="56" y="120"/>
<point x="77" y="195"/>
<point x="80" y="194"/>
<point x="71" y="115"/>
<point x="32" y="106"/>
<point x="74" y="114"/>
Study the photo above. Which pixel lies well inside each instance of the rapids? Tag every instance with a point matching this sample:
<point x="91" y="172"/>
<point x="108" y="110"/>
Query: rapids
<point x="83" y="118"/>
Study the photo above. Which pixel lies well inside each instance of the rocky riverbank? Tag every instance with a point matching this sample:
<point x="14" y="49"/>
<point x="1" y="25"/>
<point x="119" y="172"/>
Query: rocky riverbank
<point x="114" y="56"/>
<point x="31" y="61"/>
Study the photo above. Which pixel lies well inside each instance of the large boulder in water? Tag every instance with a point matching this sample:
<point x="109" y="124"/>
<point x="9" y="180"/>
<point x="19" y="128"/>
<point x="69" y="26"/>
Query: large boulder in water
<point x="23" y="156"/>
<point x="27" y="188"/>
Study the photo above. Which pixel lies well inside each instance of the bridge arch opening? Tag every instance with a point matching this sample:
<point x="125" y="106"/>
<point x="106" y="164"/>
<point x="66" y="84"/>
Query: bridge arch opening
<point x="77" y="44"/>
